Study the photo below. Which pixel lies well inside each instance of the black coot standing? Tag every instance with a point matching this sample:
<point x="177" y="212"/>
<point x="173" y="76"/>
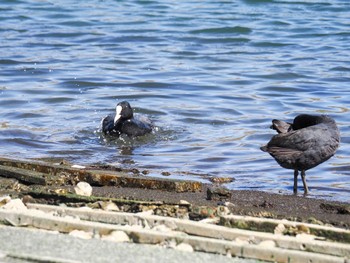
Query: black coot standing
<point x="303" y="144"/>
<point x="123" y="122"/>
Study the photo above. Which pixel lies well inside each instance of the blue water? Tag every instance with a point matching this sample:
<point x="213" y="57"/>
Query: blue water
<point x="210" y="74"/>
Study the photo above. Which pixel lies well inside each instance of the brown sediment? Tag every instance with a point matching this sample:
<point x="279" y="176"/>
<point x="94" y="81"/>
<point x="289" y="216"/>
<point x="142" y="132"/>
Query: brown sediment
<point x="43" y="182"/>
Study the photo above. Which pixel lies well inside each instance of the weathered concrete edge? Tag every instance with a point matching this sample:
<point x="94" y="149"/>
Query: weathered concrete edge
<point x="30" y="177"/>
<point x="200" y="229"/>
<point x="94" y="177"/>
<point x="65" y="225"/>
<point x="269" y="225"/>
<point x="34" y="258"/>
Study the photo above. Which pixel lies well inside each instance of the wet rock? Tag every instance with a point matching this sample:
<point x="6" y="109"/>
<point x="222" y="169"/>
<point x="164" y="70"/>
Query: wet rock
<point x="83" y="188"/>
<point x="165" y="173"/>
<point x="221" y="180"/>
<point x="218" y="194"/>
<point x="107" y="167"/>
<point x="135" y="171"/>
<point x="64" y="162"/>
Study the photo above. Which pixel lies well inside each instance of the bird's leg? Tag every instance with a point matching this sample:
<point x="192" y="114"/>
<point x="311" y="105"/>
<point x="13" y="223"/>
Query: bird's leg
<point x="306" y="189"/>
<point x="295" y="188"/>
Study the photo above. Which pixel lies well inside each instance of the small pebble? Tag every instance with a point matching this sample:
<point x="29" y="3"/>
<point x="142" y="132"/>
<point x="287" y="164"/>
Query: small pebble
<point x="4" y="200"/>
<point x="109" y="206"/>
<point x="117" y="236"/>
<point x="218" y="194"/>
<point x="162" y="228"/>
<point x="81" y="234"/>
<point x="83" y="188"/>
<point x="78" y="166"/>
<point x="15" y="204"/>
<point x="267" y="243"/>
<point x="184" y="247"/>
<point x="221" y="180"/>
<point x="279" y="229"/>
<point x="222" y="211"/>
<point x="229" y="204"/>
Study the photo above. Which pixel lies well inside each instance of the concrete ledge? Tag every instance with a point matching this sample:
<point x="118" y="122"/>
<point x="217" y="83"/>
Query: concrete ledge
<point x="270" y="225"/>
<point x="142" y="228"/>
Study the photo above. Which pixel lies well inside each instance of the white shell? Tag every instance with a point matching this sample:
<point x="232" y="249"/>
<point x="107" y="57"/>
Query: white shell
<point x="83" y="188"/>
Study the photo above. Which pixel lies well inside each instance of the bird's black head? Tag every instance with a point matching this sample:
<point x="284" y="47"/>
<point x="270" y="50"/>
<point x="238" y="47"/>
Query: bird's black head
<point x="123" y="111"/>
<point x="305" y="120"/>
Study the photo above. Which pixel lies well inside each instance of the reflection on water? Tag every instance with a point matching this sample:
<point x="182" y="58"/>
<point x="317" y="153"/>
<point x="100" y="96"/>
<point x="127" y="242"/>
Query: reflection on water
<point x="211" y="76"/>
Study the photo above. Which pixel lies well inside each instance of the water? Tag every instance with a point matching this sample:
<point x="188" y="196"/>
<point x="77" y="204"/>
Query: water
<point x="210" y="74"/>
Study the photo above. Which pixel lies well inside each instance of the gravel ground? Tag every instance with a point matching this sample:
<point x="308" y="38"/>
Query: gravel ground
<point x="245" y="202"/>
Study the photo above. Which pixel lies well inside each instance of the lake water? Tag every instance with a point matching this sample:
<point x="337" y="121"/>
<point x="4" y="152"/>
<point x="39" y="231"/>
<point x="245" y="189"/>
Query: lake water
<point x="211" y="75"/>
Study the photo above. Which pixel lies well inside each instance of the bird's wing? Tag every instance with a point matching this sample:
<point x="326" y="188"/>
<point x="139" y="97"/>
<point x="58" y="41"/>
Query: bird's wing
<point x="309" y="146"/>
<point x="108" y="123"/>
<point x="299" y="140"/>
<point x="286" y="147"/>
<point x="285" y="153"/>
<point x="135" y="127"/>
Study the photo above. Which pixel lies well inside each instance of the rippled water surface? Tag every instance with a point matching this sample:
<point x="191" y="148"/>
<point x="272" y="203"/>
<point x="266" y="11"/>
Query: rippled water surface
<point x="210" y="74"/>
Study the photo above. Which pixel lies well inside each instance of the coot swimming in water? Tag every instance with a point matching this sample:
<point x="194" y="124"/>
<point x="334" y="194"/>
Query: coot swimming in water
<point x="123" y="122"/>
<point x="303" y="144"/>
